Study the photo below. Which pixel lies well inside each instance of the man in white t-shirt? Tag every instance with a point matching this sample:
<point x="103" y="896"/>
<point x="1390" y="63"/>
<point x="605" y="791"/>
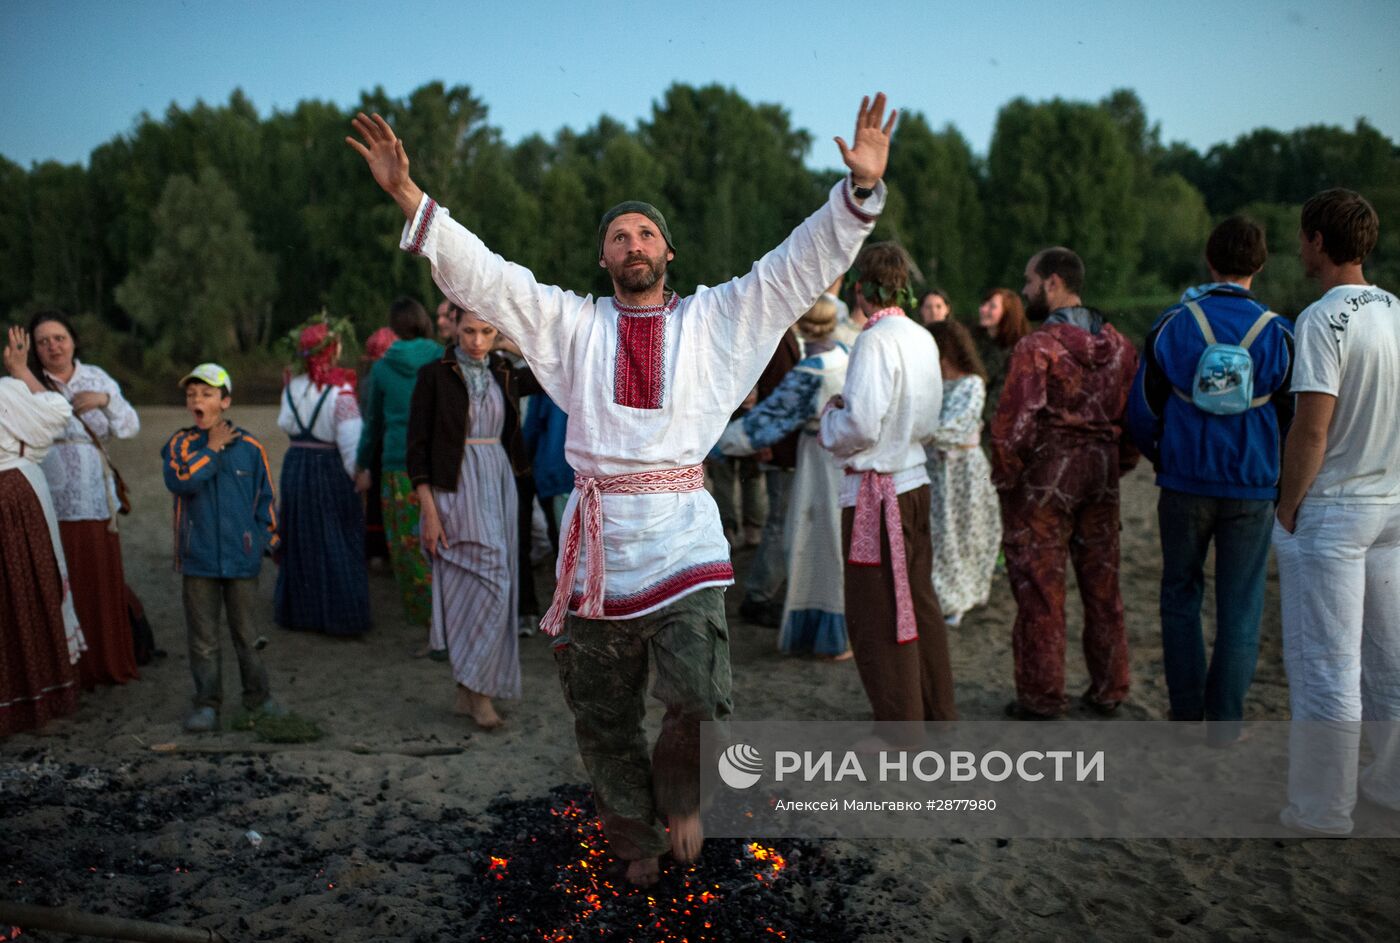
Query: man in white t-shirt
<point x="1338" y="532"/>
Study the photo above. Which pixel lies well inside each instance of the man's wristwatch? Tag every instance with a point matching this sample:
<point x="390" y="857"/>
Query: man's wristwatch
<point x="861" y="193"/>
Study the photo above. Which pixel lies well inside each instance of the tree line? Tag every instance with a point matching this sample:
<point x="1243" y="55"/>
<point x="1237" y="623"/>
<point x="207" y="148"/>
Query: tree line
<point x="208" y="232"/>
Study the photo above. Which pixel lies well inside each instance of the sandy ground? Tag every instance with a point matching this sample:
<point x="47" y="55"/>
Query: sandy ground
<point x="376" y="703"/>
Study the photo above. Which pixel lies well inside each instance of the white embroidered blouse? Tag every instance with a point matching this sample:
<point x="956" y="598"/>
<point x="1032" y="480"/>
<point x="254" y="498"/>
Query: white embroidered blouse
<point x="649" y="388"/>
<point x="337" y="420"/>
<point x="74" y="469"/>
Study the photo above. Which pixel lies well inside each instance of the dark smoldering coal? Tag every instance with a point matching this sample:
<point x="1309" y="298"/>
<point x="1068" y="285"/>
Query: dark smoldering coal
<point x="169" y="840"/>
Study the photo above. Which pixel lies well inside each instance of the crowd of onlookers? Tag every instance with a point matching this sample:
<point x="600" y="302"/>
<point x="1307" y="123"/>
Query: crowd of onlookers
<point x="1262" y="433"/>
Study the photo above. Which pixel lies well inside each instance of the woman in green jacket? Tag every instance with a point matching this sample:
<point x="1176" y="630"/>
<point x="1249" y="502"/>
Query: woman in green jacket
<point x="387" y="395"/>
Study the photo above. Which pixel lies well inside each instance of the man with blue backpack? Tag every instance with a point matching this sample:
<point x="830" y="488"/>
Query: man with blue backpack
<point x="1209" y="407"/>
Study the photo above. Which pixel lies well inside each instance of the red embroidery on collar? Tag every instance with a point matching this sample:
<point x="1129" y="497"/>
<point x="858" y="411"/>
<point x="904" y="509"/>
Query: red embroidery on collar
<point x="665" y="307"/>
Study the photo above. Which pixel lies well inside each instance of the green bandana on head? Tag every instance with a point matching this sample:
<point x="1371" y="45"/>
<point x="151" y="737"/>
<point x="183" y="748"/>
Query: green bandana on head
<point x="634" y="206"/>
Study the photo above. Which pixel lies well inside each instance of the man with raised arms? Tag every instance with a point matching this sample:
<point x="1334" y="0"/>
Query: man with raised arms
<point x="649" y="380"/>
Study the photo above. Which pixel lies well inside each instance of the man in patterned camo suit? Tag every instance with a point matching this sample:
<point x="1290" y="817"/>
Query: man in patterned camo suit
<point x="1058" y="451"/>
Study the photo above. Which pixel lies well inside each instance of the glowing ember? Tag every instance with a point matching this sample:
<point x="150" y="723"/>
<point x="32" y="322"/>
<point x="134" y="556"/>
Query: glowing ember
<point x="535" y="869"/>
<point x="724" y="896"/>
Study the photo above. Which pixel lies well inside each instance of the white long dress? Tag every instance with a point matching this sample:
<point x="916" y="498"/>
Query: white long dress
<point x="814" y="610"/>
<point x="963" y="509"/>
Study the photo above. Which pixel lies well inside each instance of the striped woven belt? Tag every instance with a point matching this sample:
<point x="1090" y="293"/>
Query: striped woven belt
<point x="876" y="494"/>
<point x="495" y="441"/>
<point x="587" y="526"/>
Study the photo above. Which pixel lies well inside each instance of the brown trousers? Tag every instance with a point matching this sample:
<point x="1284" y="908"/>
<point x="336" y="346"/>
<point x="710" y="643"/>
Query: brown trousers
<point x="913" y="681"/>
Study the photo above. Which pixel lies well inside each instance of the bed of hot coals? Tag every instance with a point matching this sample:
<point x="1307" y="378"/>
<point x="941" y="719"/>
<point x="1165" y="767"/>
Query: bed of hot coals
<point x="234" y="844"/>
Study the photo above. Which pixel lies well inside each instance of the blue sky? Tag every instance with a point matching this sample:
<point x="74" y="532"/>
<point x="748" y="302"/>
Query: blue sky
<point x="78" y="72"/>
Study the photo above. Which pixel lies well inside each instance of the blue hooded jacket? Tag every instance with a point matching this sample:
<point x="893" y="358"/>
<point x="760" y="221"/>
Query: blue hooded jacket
<point x="225" y="505"/>
<point x="1196" y="452"/>
<point x="546" y="427"/>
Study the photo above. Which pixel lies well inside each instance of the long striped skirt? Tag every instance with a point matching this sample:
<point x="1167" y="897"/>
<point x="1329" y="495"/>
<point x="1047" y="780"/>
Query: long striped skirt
<point x="95" y="573"/>
<point x="475" y="588"/>
<point x="37" y="681"/>
<point x="411" y="571"/>
<point x="322" y="584"/>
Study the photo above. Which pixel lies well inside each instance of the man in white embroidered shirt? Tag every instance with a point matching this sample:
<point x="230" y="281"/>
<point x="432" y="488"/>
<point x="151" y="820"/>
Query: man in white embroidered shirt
<point x="649" y="380"/>
<point x="877" y="428"/>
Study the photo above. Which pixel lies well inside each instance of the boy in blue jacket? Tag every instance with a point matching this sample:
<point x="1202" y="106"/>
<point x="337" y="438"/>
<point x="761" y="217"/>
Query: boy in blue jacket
<point x="1219" y="474"/>
<point x="224" y="520"/>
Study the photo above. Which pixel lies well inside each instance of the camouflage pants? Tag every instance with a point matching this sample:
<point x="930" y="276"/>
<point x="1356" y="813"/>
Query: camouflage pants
<point x="1065" y="510"/>
<point x="603" y="667"/>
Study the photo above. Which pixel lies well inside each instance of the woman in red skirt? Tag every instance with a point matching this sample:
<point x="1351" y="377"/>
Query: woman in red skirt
<point x="84" y="495"/>
<point x="39" y="637"/>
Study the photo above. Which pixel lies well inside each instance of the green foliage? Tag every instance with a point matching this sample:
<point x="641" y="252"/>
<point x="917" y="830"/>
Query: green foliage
<point x="205" y="290"/>
<point x="732" y="179"/>
<point x="1062" y="173"/>
<point x="1174" y="237"/>
<point x="935" y="210"/>
<point x="278" y="728"/>
<point x="208" y="231"/>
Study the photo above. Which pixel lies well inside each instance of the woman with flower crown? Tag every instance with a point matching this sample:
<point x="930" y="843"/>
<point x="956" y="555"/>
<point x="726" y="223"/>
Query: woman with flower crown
<point x="322" y="584"/>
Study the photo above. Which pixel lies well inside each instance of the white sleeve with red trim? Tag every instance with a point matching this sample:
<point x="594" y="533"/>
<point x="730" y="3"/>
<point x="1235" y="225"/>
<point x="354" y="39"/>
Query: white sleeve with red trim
<point x="348" y="426"/>
<point x="746" y="316"/>
<point x="543" y="319"/>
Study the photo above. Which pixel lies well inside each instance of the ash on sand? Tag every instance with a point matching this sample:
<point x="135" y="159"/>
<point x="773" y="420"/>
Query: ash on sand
<point x="166" y="841"/>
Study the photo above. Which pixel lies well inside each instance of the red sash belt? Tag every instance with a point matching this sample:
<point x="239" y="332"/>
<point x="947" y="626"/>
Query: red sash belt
<point x="876" y="490"/>
<point x="586" y="528"/>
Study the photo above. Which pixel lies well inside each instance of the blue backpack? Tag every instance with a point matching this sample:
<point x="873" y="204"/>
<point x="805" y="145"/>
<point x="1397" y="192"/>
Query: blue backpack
<point x="1224" y="378"/>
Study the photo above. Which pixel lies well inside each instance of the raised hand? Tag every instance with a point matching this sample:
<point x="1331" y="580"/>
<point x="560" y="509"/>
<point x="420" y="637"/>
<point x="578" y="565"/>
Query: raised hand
<point x="17" y="352"/>
<point x="869" y="151"/>
<point x="387" y="160"/>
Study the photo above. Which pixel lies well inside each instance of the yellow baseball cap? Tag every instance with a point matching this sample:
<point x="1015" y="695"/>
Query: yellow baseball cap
<point x="210" y="373"/>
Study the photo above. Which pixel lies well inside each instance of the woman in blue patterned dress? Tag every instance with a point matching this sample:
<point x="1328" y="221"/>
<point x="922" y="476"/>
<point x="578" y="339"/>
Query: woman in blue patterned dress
<point x="814" y="619"/>
<point x="965" y="515"/>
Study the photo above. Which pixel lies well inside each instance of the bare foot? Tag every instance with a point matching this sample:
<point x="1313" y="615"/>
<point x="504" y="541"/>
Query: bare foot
<point x="462" y="704"/>
<point x="644" y="872"/>
<point x="422" y="651"/>
<point x="483" y="711"/>
<point x="686" y="836"/>
<point x="847" y="655"/>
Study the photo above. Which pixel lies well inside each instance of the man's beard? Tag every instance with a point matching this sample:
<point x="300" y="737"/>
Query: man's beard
<point x="1037" y="308"/>
<point x="636" y="279"/>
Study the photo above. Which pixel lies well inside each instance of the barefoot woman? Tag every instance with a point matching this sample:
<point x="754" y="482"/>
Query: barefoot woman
<point x="464" y="447"/>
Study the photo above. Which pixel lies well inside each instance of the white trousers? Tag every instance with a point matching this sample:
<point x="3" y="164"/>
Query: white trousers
<point x="1339" y="582"/>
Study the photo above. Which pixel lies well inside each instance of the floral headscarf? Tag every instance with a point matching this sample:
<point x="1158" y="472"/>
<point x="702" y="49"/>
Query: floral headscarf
<point x="379" y="343"/>
<point x="320" y="349"/>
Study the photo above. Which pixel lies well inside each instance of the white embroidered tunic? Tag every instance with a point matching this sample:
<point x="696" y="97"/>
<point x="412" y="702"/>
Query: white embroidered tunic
<point x="648" y="388"/>
<point x="893" y="394"/>
<point x="74" y="469"/>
